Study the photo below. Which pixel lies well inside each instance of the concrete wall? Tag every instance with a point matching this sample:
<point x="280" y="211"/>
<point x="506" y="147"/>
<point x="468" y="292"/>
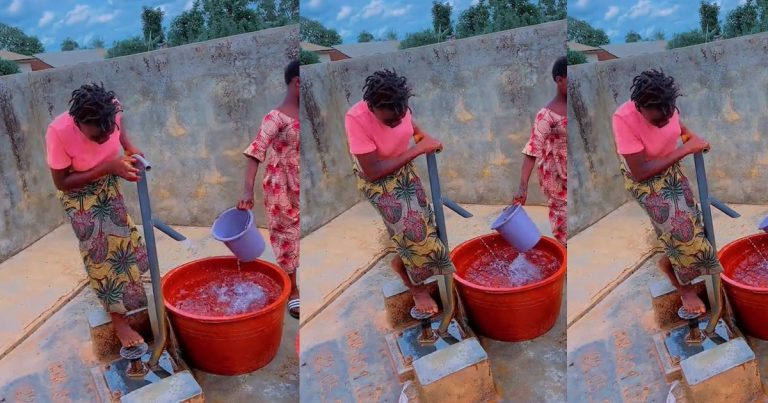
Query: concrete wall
<point x="725" y="87"/>
<point x="191" y="109"/>
<point x="479" y="96"/>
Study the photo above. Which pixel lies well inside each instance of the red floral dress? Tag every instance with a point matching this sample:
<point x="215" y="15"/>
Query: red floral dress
<point x="279" y="133"/>
<point x="548" y="144"/>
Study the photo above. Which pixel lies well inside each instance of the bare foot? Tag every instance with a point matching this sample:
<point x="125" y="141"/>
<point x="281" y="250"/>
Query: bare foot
<point x="128" y="337"/>
<point x="424" y="301"/>
<point x="691" y="301"/>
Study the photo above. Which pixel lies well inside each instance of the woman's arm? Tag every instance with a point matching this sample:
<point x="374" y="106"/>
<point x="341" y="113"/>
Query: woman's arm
<point x="375" y="167"/>
<point x="525" y="175"/>
<point x="641" y="169"/>
<point x="67" y="180"/>
<point x="251" y="169"/>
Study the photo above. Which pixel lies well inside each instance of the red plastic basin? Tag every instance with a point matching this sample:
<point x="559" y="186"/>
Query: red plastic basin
<point x="750" y="304"/>
<point x="510" y="314"/>
<point x="228" y="345"/>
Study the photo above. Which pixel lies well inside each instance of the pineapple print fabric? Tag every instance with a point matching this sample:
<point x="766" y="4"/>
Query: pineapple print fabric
<point x="111" y="247"/>
<point x="400" y="200"/>
<point x="279" y="134"/>
<point x="668" y="200"/>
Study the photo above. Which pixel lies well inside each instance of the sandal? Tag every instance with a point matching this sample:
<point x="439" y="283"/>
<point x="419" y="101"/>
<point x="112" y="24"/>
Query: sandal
<point x="293" y="308"/>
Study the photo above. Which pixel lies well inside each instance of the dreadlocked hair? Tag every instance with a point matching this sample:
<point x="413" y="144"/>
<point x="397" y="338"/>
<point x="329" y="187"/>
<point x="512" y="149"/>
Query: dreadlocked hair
<point x="91" y="104"/>
<point x="652" y="89"/>
<point x="385" y="89"/>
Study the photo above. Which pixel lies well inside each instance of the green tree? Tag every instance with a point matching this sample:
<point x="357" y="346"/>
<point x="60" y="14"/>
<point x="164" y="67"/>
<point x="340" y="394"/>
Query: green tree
<point x="8" y="67"/>
<point x="289" y="11"/>
<point x="742" y="20"/>
<point x="683" y="39"/>
<point x="391" y="35"/>
<point x="709" y="18"/>
<point x="126" y="47"/>
<point x="15" y="40"/>
<point x="152" y="25"/>
<point x="441" y="19"/>
<point x="475" y="20"/>
<point x="97" y="43"/>
<point x="632" y="36"/>
<point x="576" y="57"/>
<point x="307" y="57"/>
<point x="416" y="39"/>
<point x="188" y="26"/>
<point x="507" y="14"/>
<point x="583" y="33"/>
<point x="364" y="36"/>
<point x="314" y="32"/>
<point x="553" y="10"/>
<point x="229" y="17"/>
<point x="658" y="36"/>
<point x="69" y="44"/>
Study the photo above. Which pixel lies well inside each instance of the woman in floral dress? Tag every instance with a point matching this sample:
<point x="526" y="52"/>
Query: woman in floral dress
<point x="549" y="144"/>
<point x="647" y="130"/>
<point x="279" y="134"/>
<point x="83" y="153"/>
<point x="380" y="130"/>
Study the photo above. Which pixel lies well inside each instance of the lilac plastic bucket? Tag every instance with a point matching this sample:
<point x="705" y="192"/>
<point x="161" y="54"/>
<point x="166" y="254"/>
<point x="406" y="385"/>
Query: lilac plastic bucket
<point x="235" y="228"/>
<point x="517" y="228"/>
<point x="764" y="224"/>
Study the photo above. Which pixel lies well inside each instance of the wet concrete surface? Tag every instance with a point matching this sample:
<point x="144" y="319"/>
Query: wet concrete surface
<point x="344" y="352"/>
<point x="341" y="251"/>
<point x="53" y="363"/>
<point x="611" y="354"/>
<point x="602" y="256"/>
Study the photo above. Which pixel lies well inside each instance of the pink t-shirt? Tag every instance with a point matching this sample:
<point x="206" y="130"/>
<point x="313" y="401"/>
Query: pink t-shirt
<point x="366" y="134"/>
<point x="66" y="146"/>
<point x="633" y="133"/>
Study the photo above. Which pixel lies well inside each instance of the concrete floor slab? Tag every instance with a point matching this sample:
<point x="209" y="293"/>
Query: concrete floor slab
<point x="53" y="363"/>
<point x="611" y="353"/>
<point x="345" y="357"/>
<point x="603" y="255"/>
<point x="337" y="254"/>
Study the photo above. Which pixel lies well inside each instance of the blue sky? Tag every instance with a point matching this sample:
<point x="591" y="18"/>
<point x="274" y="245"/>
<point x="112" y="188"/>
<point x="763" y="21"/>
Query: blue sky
<point x="617" y="18"/>
<point x="52" y="21"/>
<point x="350" y="17"/>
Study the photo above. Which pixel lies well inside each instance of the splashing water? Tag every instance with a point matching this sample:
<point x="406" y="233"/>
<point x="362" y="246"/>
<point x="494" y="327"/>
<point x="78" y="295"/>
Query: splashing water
<point x="753" y="269"/>
<point x="489" y="248"/>
<point x="232" y="293"/>
<point x="507" y="268"/>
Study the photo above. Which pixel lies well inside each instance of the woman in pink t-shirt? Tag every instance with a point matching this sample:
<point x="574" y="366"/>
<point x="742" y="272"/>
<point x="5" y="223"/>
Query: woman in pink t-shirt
<point x="380" y="130"/>
<point x="84" y="154"/>
<point x="647" y="130"/>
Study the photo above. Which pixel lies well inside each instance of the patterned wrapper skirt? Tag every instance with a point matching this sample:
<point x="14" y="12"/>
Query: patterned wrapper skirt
<point x="400" y="200"/>
<point x="111" y="247"/>
<point x="668" y="200"/>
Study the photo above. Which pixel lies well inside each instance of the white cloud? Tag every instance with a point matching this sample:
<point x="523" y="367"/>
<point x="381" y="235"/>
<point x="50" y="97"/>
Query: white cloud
<point x="582" y="3"/>
<point x="15" y="6"/>
<point x="345" y="12"/>
<point x="83" y="13"/>
<point x="612" y="12"/>
<point x="647" y="33"/>
<point x="46" y="40"/>
<point x="314" y="3"/>
<point x="643" y="7"/>
<point x="665" y="12"/>
<point x="345" y="33"/>
<point x="189" y="5"/>
<point x="79" y="14"/>
<point x="378" y="8"/>
<point x="612" y="33"/>
<point x="46" y="19"/>
<point x="103" y="18"/>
